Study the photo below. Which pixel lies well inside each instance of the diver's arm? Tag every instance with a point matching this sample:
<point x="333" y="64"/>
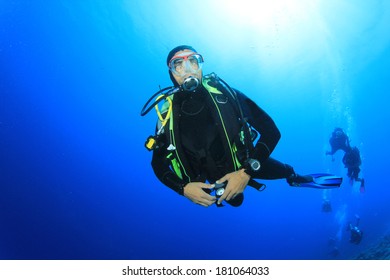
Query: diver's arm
<point x="164" y="173"/>
<point x="264" y="124"/>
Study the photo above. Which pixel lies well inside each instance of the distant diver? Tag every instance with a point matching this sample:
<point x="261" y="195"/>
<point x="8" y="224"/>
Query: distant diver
<point x="211" y="138"/>
<point x="352" y="162"/>
<point x="326" y="206"/>
<point x="351" y="159"/>
<point x="338" y="141"/>
<point x="356" y="233"/>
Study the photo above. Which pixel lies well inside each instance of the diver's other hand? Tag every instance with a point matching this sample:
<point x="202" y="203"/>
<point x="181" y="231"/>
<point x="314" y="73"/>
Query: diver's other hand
<point x="194" y="192"/>
<point x="236" y="184"/>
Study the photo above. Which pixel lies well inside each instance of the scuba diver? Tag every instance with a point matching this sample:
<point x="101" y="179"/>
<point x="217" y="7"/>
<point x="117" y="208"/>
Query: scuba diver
<point x="356" y="233"/>
<point x="211" y="138"/>
<point x="338" y="141"/>
<point x="352" y="162"/>
<point x="351" y="159"/>
<point x="326" y="206"/>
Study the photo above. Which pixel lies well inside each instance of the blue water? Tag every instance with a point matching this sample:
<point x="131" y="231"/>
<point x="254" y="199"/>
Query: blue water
<point x="76" y="180"/>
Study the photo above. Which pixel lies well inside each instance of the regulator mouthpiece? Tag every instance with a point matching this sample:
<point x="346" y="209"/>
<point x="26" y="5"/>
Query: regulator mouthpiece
<point x="190" y="84"/>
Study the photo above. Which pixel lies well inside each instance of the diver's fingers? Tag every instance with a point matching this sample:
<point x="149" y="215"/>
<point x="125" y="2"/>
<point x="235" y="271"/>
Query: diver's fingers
<point x="224" y="196"/>
<point x="204" y="204"/>
<point x="223" y="179"/>
<point x="207" y="201"/>
<point x="207" y="197"/>
<point x="231" y="195"/>
<point x="208" y="186"/>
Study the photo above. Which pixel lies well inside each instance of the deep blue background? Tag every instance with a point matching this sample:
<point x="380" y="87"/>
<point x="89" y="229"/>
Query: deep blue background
<point x="75" y="178"/>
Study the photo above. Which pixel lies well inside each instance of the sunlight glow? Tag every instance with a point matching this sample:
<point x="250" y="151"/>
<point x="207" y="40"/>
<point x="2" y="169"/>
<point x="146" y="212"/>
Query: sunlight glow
<point x="264" y="14"/>
<point x="286" y="29"/>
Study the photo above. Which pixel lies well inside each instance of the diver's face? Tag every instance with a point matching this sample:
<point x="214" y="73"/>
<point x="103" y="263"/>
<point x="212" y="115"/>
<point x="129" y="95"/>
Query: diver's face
<point x="186" y="63"/>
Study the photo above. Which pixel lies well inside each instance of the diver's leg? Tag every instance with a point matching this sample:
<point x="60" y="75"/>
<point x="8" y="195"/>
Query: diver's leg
<point x="274" y="169"/>
<point x="350" y="173"/>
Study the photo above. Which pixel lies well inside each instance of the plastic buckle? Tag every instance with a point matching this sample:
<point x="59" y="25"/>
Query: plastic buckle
<point x="150" y="143"/>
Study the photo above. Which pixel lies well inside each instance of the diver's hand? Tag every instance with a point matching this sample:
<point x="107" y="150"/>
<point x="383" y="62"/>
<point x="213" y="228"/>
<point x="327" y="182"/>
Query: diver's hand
<point x="236" y="184"/>
<point x="194" y="192"/>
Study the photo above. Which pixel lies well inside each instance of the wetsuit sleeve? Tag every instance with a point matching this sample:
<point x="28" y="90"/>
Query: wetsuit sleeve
<point x="264" y="124"/>
<point x="162" y="170"/>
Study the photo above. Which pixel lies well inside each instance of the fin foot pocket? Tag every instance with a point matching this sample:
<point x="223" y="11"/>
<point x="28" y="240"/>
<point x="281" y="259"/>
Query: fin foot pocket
<point x="322" y="181"/>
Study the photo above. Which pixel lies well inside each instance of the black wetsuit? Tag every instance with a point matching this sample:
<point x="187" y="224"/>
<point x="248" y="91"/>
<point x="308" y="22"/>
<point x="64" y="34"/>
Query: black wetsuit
<point x="339" y="142"/>
<point x="202" y="143"/>
<point x="352" y="161"/>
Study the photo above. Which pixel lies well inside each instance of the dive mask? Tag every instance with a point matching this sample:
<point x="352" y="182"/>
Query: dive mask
<point x="187" y="63"/>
